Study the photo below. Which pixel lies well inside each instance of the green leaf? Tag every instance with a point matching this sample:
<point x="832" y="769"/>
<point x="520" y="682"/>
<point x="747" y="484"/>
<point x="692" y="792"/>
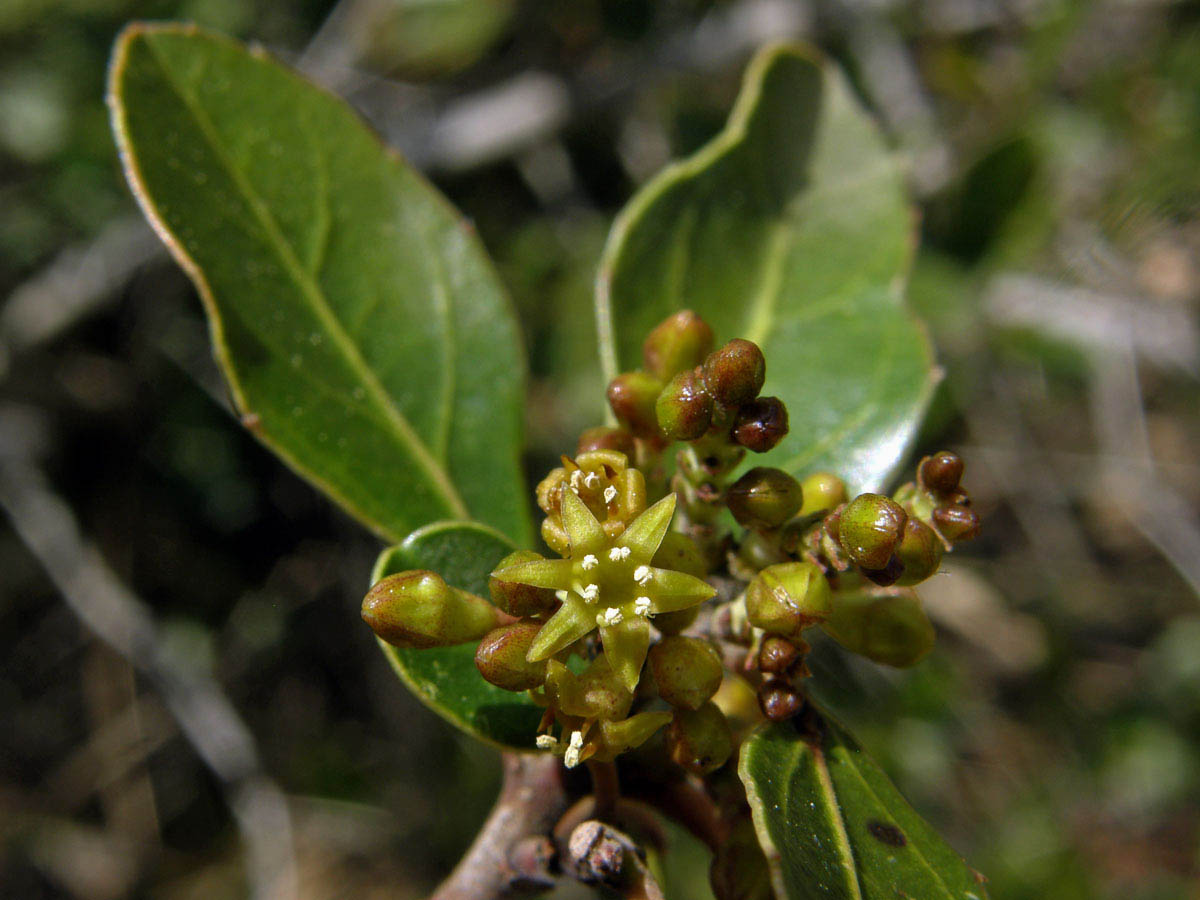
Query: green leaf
<point x="833" y="826"/>
<point x="364" y="334"/>
<point x="445" y="678"/>
<point x="791" y="229"/>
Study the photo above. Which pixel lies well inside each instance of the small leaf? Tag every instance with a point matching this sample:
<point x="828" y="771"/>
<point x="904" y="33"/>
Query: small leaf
<point x="791" y="229"/>
<point x="364" y="334"/>
<point x="445" y="678"/>
<point x="833" y="826"/>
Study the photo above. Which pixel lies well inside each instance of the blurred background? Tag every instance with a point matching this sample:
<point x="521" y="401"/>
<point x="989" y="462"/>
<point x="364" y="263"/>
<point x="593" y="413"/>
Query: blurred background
<point x="191" y="706"/>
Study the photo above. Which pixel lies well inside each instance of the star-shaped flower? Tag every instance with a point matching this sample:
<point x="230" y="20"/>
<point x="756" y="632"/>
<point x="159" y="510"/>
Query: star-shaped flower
<point x="608" y="583"/>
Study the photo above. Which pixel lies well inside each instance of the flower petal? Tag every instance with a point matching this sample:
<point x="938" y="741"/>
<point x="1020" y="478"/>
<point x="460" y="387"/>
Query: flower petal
<point x="556" y="574"/>
<point x="647" y="531"/>
<point x="670" y="591"/>
<point x="573" y="620"/>
<point x="587" y="535"/>
<point x="625" y="647"/>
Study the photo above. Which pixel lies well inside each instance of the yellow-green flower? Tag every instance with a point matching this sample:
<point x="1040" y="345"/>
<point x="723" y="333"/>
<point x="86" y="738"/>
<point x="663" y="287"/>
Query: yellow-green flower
<point x="608" y="583"/>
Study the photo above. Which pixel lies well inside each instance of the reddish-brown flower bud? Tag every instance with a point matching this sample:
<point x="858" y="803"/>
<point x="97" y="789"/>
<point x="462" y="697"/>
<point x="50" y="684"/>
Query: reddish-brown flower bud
<point x="956" y="523"/>
<point x="761" y="424"/>
<point x="631" y="396"/>
<point x="940" y="472"/>
<point x="679" y="342"/>
<point x="603" y="438"/>
<point x="778" y="700"/>
<point x="735" y="373"/>
<point x="700" y="740"/>
<point x="501" y="657"/>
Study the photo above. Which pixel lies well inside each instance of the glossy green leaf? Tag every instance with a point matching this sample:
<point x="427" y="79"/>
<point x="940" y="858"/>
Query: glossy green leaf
<point x="792" y="229"/>
<point x="364" y="334"/>
<point x="445" y="678"/>
<point x="834" y="827"/>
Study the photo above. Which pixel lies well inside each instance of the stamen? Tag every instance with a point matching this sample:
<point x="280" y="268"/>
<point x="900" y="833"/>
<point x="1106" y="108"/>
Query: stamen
<point x="619" y="553"/>
<point x="610" y="494"/>
<point x="591" y="479"/>
<point x="571" y="757"/>
<point x="590" y="562"/>
<point x="612" y="616"/>
<point x="641" y="605"/>
<point x="590" y="592"/>
<point x="642" y="575"/>
<point x="546" y="742"/>
<point x="576" y="477"/>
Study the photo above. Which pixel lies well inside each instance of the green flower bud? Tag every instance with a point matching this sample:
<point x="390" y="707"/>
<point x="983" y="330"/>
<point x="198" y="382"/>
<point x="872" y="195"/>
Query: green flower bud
<point x="822" y="491"/>
<point x="869" y="529"/>
<point x="679" y="553"/>
<point x="778" y="700"/>
<point x="687" y="670"/>
<point x="956" y="523"/>
<point x="603" y="438"/>
<point x="631" y="396"/>
<point x="501" y="657"/>
<point x="761" y="424"/>
<point x="764" y="498"/>
<point x="685" y="407"/>
<point x="678" y="342"/>
<point x="940" y="472"/>
<point x="920" y="552"/>
<point x="418" y="609"/>
<point x="517" y="599"/>
<point x="700" y="740"/>
<point x="735" y="373"/>
<point x="787" y="598"/>
<point x="887" y="626"/>
<point x="778" y="655"/>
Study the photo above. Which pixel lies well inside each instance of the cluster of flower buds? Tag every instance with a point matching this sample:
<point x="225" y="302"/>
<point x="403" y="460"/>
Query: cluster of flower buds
<point x="606" y="637"/>
<point x="685" y="390"/>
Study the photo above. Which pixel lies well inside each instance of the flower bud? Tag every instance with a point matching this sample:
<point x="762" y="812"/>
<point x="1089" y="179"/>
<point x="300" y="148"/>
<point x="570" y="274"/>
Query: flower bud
<point x="956" y="523"/>
<point x="941" y="472"/>
<point x="822" y="491"/>
<point x="764" y="498"/>
<point x="919" y="552"/>
<point x="685" y="407"/>
<point x="888" y="575"/>
<point x="777" y="655"/>
<point x="778" y="700"/>
<point x="418" y="609"/>
<point x="604" y="438"/>
<point x="869" y="529"/>
<point x="761" y="424"/>
<point x="687" y="670"/>
<point x="679" y="342"/>
<point x="520" y="599"/>
<point x="700" y="740"/>
<point x="631" y="396"/>
<point x="735" y="373"/>
<point x="787" y="598"/>
<point x="501" y="657"/>
<point x="889" y="627"/>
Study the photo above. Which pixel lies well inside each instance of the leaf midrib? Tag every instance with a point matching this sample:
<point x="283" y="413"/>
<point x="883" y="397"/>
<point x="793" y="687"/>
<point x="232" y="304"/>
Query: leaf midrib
<point x="314" y="295"/>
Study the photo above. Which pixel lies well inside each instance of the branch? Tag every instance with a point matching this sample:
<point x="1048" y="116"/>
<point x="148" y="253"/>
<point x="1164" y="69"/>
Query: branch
<point x="512" y="853"/>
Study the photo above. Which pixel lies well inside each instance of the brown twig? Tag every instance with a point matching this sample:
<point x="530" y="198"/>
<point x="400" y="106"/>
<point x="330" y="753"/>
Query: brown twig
<point x="511" y="854"/>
